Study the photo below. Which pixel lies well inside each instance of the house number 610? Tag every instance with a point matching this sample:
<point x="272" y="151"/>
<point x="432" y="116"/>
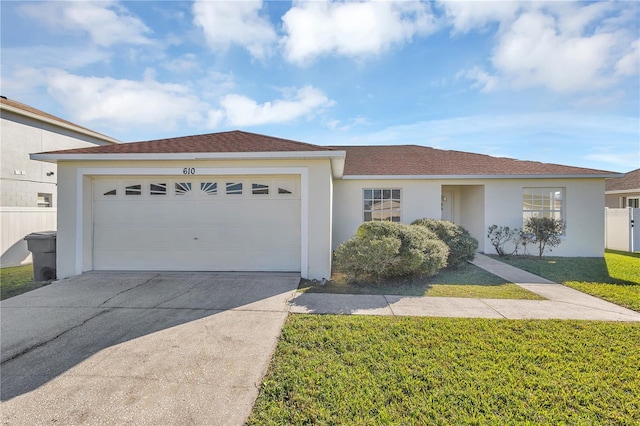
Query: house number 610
<point x="189" y="171"/>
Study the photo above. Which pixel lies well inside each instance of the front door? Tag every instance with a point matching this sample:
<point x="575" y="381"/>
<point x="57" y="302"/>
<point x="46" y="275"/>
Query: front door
<point x="447" y="205"/>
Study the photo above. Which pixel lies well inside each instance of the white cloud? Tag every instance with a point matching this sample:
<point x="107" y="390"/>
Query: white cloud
<point x="106" y="22"/>
<point x="566" y="47"/>
<point x="182" y="64"/>
<point x="465" y="16"/>
<point x="243" y="111"/>
<point x="146" y="103"/>
<point x="629" y="64"/>
<point x="235" y="22"/>
<point x="320" y="28"/>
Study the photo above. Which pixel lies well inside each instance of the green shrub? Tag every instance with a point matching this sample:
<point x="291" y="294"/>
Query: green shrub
<point x="546" y="232"/>
<point x="367" y="257"/>
<point x="386" y="250"/>
<point x="501" y="235"/>
<point x="462" y="246"/>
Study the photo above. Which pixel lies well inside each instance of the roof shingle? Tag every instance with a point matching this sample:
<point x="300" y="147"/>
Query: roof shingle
<point x="233" y="141"/>
<point x="414" y="160"/>
<point x="629" y="181"/>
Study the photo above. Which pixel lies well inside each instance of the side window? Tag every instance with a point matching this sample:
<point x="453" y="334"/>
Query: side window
<point x="44" y="200"/>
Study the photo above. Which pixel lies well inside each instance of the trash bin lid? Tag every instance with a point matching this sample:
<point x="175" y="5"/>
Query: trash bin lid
<point x="43" y="235"/>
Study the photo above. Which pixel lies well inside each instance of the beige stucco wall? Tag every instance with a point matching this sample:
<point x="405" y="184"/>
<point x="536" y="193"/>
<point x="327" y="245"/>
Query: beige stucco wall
<point x="480" y="203"/>
<point x="614" y="201"/>
<point x="73" y="259"/>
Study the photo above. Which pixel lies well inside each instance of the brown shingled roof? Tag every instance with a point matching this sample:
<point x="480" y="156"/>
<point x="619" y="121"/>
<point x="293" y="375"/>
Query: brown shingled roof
<point x="233" y="141"/>
<point x="35" y="111"/>
<point x="414" y="160"/>
<point x="629" y="181"/>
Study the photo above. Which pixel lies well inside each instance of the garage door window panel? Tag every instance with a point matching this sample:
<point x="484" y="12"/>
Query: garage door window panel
<point x="234" y="188"/>
<point x="209" y="188"/>
<point x="133" y="189"/>
<point x="158" y="189"/>
<point x="182" y="188"/>
<point x="259" y="189"/>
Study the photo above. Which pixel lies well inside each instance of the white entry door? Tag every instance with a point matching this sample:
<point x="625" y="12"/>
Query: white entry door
<point x="213" y="223"/>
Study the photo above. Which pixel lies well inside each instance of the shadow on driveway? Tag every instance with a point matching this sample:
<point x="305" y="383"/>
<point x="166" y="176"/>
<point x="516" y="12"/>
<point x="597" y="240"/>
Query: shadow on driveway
<point x="52" y="330"/>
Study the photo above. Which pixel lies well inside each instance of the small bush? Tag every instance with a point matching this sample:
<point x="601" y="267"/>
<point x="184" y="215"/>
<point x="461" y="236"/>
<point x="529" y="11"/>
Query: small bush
<point x="546" y="232"/>
<point x="462" y="246"/>
<point x="386" y="249"/>
<point x="501" y="235"/>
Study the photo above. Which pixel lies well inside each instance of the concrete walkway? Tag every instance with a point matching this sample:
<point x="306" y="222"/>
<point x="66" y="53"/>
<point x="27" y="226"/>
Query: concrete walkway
<point x="562" y="302"/>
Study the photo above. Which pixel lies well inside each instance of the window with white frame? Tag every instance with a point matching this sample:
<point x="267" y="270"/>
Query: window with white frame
<point x="44" y="200"/>
<point x="543" y="202"/>
<point x="381" y="204"/>
<point x="633" y="202"/>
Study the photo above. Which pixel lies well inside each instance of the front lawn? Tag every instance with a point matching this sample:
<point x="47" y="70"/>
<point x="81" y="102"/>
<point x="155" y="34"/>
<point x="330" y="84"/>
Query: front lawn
<point x="614" y="277"/>
<point x="359" y="370"/>
<point x="465" y="281"/>
<point x="17" y="280"/>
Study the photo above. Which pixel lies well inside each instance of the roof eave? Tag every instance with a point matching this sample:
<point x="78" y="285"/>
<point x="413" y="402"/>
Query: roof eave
<point x="508" y="176"/>
<point x="337" y="157"/>
<point x="61" y="124"/>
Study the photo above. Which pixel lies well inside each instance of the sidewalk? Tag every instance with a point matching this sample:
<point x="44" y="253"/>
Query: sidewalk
<point x="562" y="302"/>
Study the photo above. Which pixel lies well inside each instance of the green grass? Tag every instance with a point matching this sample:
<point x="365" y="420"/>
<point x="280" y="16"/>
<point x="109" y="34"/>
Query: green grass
<point x="614" y="277"/>
<point x="466" y="281"/>
<point x="387" y="370"/>
<point x="17" y="280"/>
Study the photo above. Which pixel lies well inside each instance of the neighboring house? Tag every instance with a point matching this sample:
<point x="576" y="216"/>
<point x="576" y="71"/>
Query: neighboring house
<point x="623" y="191"/>
<point x="28" y="192"/>
<point x="237" y="201"/>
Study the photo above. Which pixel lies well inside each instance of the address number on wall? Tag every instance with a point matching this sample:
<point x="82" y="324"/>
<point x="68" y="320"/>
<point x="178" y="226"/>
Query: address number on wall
<point x="189" y="171"/>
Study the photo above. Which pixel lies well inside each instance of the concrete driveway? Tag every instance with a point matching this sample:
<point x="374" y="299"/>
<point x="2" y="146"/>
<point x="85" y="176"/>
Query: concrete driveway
<point x="141" y="348"/>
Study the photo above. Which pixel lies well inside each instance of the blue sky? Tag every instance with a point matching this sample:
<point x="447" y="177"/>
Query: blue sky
<point x="546" y="81"/>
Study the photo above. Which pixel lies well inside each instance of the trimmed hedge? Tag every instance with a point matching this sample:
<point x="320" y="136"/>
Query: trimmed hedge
<point x="462" y="246"/>
<point x="387" y="249"/>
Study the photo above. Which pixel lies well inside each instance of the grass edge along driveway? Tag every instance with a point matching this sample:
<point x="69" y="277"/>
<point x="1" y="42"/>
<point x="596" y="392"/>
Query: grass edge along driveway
<point x="361" y="370"/>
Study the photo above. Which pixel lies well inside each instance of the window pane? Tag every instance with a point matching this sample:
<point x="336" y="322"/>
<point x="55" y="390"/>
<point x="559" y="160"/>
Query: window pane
<point x="381" y="204"/>
<point x="182" y="188"/>
<point x="283" y="191"/>
<point x="133" y="190"/>
<point x="259" y="189"/>
<point x="158" y="189"/>
<point x="209" y="188"/>
<point x="112" y="192"/>
<point x="234" y="188"/>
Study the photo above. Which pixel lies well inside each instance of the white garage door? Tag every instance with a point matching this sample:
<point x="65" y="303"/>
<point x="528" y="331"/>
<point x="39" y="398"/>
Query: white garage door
<point x="248" y="223"/>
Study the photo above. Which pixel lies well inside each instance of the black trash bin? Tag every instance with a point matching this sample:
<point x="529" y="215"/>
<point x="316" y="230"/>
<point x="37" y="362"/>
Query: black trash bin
<point x="42" y="245"/>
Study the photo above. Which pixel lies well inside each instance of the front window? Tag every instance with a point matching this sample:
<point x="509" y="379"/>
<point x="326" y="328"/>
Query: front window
<point x="44" y="200"/>
<point x="543" y="202"/>
<point x="633" y="202"/>
<point x="381" y="204"/>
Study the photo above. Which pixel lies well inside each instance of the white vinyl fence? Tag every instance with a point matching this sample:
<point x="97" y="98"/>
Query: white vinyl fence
<point x="622" y="229"/>
<point x="18" y="222"/>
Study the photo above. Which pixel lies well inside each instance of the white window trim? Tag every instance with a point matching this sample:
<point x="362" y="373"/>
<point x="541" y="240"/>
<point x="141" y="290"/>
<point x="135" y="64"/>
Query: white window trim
<point x="303" y="172"/>
<point x="381" y="189"/>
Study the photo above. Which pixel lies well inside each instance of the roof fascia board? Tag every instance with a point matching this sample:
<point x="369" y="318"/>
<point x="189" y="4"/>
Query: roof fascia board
<point x="60" y="124"/>
<point x="421" y="177"/>
<point x="194" y="156"/>
<point x="623" y="191"/>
